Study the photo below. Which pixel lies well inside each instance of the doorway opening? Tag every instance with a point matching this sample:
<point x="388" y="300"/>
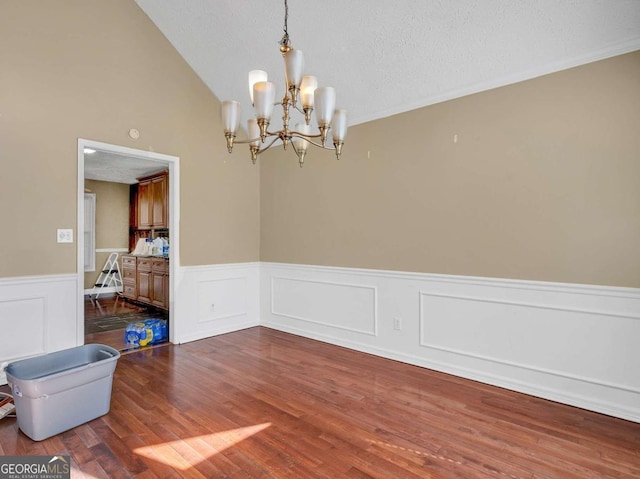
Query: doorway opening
<point x="116" y="175"/>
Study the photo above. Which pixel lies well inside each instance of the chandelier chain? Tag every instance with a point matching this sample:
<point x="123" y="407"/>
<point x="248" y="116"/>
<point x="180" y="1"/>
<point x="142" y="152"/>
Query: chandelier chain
<point x="285" y="38"/>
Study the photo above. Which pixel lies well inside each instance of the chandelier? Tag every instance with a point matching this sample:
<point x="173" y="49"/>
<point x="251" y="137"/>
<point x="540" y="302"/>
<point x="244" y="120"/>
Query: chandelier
<point x="302" y="94"/>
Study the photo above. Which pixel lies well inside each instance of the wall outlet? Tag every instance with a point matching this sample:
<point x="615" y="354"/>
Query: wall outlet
<point x="65" y="235"/>
<point x="397" y="324"/>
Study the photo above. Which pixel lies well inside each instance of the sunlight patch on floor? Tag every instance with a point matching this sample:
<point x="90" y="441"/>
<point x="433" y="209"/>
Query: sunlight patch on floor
<point x="172" y="453"/>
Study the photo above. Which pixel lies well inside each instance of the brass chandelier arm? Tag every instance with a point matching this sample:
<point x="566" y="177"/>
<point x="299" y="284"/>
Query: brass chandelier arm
<point x="268" y="146"/>
<point x="306" y="137"/>
<point x="298" y="109"/>
<point x="257" y="138"/>
<point x="276" y="136"/>
<point x="245" y="142"/>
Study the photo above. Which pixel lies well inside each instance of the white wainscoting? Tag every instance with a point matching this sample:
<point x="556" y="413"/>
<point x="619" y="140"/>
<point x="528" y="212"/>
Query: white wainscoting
<point x="575" y="344"/>
<point x="215" y="299"/>
<point x="37" y="316"/>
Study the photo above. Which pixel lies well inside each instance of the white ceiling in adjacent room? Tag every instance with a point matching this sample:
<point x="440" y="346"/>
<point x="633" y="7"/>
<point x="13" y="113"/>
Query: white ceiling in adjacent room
<point x="105" y="166"/>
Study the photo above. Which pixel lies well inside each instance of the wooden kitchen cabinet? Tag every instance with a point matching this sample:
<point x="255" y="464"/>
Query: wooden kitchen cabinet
<point x="159" y="202"/>
<point x="152" y="208"/>
<point x="143" y="205"/>
<point x="146" y="279"/>
<point x="129" y="277"/>
<point x="160" y="282"/>
<point x="143" y="279"/>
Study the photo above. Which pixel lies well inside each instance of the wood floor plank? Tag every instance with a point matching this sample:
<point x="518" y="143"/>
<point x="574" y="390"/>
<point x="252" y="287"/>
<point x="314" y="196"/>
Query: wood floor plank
<point x="79" y="452"/>
<point x="259" y="403"/>
<point x="124" y="457"/>
<point x="91" y="469"/>
<point x="146" y="475"/>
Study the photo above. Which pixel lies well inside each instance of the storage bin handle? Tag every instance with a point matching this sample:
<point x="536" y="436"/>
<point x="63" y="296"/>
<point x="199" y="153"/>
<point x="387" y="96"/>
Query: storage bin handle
<point x="108" y="353"/>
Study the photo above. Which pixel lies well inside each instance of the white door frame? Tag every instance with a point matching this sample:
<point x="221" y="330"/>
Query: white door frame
<point x="173" y="164"/>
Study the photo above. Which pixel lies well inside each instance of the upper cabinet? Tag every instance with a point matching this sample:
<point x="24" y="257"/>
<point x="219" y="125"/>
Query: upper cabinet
<point x="152" y="209"/>
<point x="159" y="201"/>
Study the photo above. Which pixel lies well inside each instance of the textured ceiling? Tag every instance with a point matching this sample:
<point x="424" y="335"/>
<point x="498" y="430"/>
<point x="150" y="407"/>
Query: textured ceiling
<point x="105" y="166"/>
<point x="386" y="57"/>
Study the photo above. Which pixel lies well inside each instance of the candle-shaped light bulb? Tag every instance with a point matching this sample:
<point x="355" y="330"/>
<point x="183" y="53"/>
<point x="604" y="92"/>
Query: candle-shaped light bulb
<point x="254" y="77"/>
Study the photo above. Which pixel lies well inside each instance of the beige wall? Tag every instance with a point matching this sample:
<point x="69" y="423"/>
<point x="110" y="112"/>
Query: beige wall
<point x="542" y="184"/>
<point x="94" y="69"/>
<point x="112" y="221"/>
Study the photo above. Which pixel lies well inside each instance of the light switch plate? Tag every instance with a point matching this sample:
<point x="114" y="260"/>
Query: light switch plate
<point x="65" y="235"/>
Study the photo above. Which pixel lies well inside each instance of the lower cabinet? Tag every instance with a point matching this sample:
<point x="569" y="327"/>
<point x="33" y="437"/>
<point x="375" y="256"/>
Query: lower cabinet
<point x="129" y="277"/>
<point x="143" y="279"/>
<point x="160" y="283"/>
<point x="146" y="279"/>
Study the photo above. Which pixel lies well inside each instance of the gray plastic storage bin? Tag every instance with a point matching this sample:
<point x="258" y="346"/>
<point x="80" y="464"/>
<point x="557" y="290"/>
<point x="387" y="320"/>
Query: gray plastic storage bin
<point x="61" y="390"/>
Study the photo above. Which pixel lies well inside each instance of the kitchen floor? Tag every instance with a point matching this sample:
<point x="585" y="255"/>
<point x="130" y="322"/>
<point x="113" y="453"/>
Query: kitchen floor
<point x="106" y="318"/>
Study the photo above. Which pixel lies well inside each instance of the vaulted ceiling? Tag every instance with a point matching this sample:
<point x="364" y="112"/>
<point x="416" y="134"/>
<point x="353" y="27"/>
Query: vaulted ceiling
<point x="385" y="57"/>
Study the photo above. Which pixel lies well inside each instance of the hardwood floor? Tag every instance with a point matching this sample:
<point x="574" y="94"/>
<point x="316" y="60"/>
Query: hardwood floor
<point x="109" y="305"/>
<point x="260" y="403"/>
<point x="106" y="318"/>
